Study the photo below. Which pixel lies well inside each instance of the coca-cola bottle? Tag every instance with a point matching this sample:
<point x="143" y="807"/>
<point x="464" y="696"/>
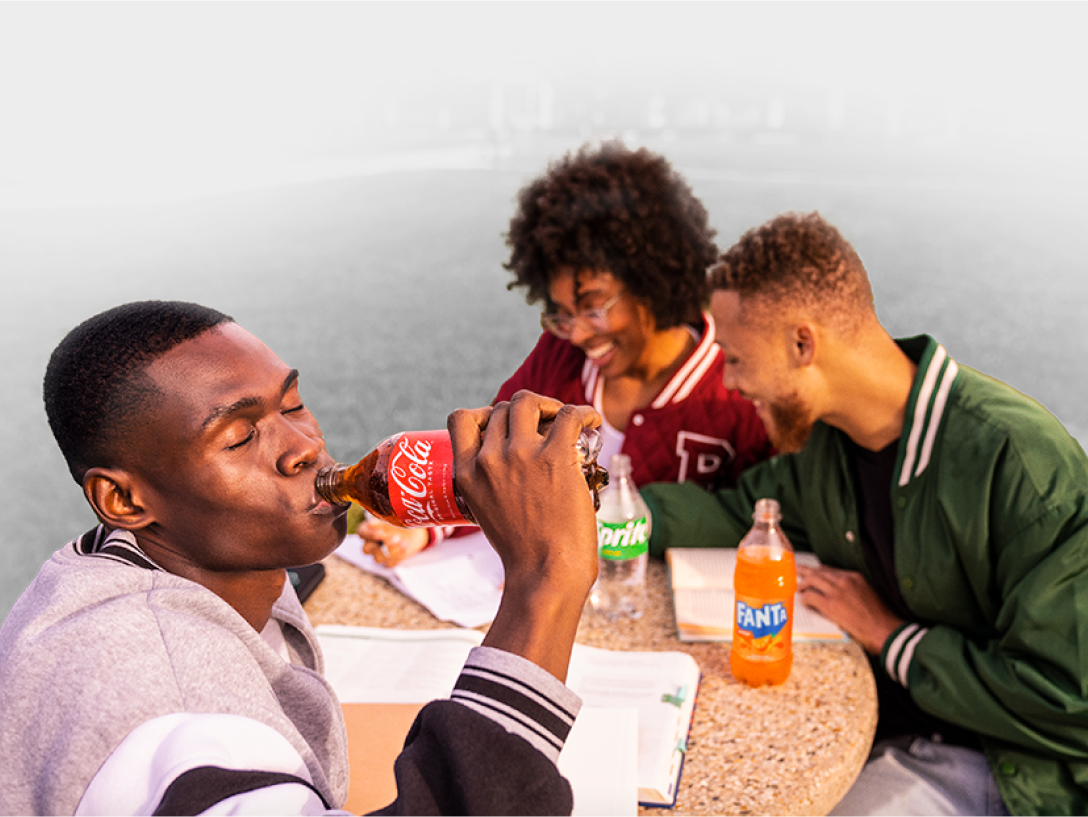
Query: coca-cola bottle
<point x="407" y="480"/>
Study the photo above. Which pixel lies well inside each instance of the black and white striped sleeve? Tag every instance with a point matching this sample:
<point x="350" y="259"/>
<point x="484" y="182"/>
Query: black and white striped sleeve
<point x="520" y="696"/>
<point x="491" y="748"/>
<point x="898" y="651"/>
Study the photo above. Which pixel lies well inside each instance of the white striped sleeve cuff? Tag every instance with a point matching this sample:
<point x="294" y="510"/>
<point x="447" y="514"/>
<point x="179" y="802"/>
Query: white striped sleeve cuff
<point x="899" y="651"/>
<point x="439" y="534"/>
<point x="520" y="696"/>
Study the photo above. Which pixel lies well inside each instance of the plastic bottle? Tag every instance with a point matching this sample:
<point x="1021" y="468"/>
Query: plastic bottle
<point x="407" y="480"/>
<point x="765" y="581"/>
<point x="623" y="544"/>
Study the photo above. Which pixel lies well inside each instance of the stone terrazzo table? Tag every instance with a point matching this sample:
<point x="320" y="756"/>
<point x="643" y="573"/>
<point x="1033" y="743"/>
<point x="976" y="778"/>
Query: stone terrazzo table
<point x="791" y="749"/>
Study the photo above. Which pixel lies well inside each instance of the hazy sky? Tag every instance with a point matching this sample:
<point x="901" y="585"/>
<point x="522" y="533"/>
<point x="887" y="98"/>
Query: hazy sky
<point x="98" y="94"/>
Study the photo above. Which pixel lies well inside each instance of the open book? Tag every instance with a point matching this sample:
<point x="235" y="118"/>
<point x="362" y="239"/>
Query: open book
<point x="627" y="745"/>
<point x="704" y="600"/>
<point x="662" y="686"/>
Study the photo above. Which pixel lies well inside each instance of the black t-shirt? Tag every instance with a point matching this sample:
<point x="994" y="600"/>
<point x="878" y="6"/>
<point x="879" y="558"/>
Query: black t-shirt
<point x="874" y="474"/>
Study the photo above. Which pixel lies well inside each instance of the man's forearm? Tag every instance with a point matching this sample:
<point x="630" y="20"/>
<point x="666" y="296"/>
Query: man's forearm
<point x="538" y="623"/>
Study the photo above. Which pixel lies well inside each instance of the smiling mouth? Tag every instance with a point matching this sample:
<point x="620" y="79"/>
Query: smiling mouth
<point x="598" y="352"/>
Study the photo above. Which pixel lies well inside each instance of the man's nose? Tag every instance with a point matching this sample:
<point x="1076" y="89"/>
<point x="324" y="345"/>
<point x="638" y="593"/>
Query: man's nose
<point x="302" y="446"/>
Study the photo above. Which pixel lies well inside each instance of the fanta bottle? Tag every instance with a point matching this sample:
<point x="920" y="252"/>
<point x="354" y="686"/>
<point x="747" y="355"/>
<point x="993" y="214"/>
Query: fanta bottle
<point x="765" y="581"/>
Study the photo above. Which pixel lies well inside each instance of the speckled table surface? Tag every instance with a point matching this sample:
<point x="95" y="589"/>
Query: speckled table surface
<point x="790" y="749"/>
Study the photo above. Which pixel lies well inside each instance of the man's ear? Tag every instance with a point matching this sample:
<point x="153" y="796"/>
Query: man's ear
<point x="115" y="497"/>
<point x="803" y="344"/>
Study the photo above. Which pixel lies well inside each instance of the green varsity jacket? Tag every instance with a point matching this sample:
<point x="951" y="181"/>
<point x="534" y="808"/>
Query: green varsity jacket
<point x="990" y="507"/>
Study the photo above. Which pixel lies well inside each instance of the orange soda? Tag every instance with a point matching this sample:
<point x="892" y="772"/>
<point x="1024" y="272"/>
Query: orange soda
<point x="765" y="581"/>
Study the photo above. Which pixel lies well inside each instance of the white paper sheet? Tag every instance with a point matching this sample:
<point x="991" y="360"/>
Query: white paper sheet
<point x="458" y="580"/>
<point x="376" y="665"/>
<point x="600" y="761"/>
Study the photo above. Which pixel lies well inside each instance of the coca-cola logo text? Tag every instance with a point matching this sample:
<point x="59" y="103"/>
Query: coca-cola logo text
<point x="410" y="470"/>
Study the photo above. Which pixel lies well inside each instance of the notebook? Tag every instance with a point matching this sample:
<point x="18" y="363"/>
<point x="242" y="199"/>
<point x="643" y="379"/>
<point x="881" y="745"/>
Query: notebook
<point x="704" y="601"/>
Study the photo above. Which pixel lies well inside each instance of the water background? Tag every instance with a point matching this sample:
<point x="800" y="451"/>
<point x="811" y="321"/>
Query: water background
<point x="387" y="289"/>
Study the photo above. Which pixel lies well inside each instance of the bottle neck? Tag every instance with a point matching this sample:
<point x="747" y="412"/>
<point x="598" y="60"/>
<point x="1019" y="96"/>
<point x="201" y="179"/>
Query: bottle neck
<point x="330" y="484"/>
<point x="765" y="533"/>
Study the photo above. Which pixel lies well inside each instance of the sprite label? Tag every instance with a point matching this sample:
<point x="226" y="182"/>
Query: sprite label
<point x="623" y="540"/>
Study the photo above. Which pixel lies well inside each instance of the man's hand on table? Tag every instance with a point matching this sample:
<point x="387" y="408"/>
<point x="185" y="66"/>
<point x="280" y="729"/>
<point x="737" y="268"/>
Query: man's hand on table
<point x="846" y="598"/>
<point x="529" y="496"/>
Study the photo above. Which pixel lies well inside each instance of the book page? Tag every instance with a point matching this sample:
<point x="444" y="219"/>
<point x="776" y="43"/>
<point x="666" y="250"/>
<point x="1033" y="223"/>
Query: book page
<point x="378" y="665"/>
<point x="704" y="600"/>
<point x="661" y="685"/>
<point x="701" y="568"/>
<point x="600" y="759"/>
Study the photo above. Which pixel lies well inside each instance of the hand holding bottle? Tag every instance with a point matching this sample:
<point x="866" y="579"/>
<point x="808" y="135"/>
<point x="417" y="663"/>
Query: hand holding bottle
<point x="528" y="494"/>
<point x="408" y="480"/>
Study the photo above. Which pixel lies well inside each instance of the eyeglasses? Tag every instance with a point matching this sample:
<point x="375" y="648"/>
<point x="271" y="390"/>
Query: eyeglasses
<point x="595" y="320"/>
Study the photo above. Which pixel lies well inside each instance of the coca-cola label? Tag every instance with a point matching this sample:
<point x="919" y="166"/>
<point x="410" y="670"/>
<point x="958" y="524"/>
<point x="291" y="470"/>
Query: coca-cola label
<point x="421" y="480"/>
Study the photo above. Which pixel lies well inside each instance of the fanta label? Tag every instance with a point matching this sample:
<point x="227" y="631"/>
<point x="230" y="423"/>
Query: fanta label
<point x="765" y="620"/>
<point x="623" y="540"/>
<point x="421" y="480"/>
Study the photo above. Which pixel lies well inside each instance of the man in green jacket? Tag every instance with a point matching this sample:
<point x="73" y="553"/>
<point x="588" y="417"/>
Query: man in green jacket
<point x="950" y="513"/>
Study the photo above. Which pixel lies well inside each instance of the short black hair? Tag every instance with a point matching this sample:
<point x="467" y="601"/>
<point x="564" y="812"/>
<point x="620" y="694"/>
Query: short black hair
<point x="96" y="387"/>
<point x="802" y="259"/>
<point x="627" y="212"/>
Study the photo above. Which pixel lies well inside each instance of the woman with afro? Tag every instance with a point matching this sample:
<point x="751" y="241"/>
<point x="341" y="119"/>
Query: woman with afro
<point x="615" y="245"/>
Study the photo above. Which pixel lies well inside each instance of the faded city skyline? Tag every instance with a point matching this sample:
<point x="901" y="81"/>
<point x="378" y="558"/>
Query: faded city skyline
<point x="107" y="103"/>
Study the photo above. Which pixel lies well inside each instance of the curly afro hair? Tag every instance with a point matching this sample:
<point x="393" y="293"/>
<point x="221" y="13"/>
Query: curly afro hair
<point x="617" y="210"/>
<point x="799" y="259"/>
<point x="95" y="386"/>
